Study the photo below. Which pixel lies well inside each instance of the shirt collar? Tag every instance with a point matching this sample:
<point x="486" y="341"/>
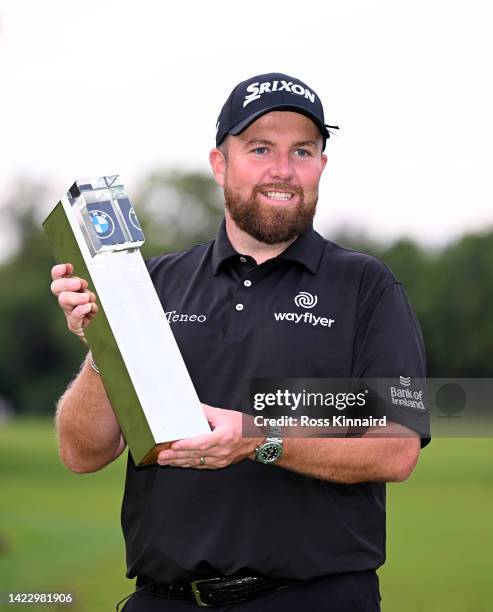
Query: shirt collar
<point x="222" y="248"/>
<point x="307" y="249"/>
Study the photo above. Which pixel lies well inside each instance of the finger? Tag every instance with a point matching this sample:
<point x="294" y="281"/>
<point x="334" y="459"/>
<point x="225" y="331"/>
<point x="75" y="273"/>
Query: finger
<point x="94" y="309"/>
<point x="61" y="270"/>
<point x="198" y="443"/>
<point x="190" y="463"/>
<point x="178" y="462"/>
<point x="75" y="319"/>
<point x="190" y="456"/>
<point x="69" y="299"/>
<point x="65" y="284"/>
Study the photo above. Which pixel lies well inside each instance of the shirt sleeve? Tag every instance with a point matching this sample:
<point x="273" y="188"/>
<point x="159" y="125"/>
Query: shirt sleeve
<point x="389" y="350"/>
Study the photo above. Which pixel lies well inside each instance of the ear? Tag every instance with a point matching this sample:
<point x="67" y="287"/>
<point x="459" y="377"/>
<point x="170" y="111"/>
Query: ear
<point x="324" y="161"/>
<point x="218" y="165"/>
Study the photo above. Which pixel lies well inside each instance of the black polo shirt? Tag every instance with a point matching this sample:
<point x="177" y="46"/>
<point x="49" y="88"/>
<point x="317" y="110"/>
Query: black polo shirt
<point x="226" y="313"/>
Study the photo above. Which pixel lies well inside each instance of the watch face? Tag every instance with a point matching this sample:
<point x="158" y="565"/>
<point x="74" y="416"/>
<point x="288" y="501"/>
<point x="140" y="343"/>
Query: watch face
<point x="269" y="452"/>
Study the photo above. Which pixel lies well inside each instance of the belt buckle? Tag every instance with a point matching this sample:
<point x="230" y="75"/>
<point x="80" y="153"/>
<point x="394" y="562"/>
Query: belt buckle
<point x="196" y="592"/>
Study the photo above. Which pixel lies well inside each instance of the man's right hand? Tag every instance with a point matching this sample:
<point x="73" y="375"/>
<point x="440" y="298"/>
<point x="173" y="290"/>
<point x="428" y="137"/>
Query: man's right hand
<point x="75" y="299"/>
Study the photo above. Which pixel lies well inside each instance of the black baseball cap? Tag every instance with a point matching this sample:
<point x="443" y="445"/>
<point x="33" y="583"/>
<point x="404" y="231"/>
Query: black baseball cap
<point x="264" y="93"/>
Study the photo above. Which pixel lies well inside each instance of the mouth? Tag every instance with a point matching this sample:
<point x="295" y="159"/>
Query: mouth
<point x="274" y="195"/>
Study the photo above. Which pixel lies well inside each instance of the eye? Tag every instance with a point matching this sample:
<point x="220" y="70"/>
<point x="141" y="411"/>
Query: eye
<point x="302" y="153"/>
<point x="260" y="150"/>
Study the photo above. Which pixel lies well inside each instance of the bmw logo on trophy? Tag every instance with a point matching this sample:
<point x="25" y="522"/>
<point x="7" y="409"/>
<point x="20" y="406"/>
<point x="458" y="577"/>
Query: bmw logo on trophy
<point x="94" y="227"/>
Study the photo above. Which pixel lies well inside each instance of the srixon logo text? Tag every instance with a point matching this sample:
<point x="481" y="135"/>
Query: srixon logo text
<point x="256" y="90"/>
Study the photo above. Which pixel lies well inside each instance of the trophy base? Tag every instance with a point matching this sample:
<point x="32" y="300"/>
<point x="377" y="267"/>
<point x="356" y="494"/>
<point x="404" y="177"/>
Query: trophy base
<point x="151" y="456"/>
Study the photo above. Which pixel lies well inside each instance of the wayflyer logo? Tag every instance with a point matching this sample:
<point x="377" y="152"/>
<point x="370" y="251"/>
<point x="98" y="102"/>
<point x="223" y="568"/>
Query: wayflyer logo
<point x="305" y="300"/>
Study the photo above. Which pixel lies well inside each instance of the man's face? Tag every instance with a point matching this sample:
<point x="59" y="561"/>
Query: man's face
<point x="271" y="174"/>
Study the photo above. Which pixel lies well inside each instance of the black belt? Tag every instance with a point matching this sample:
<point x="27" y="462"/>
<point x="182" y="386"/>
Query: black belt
<point x="216" y="591"/>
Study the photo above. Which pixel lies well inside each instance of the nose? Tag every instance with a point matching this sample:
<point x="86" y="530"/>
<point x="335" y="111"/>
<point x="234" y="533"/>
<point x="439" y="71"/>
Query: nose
<point x="281" y="167"/>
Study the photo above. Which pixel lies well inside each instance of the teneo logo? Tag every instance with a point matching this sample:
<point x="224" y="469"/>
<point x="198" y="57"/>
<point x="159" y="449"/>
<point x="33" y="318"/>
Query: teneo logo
<point x="305" y="300"/>
<point x="173" y="317"/>
<point x="405" y="380"/>
<point x="256" y="90"/>
<point x="103" y="223"/>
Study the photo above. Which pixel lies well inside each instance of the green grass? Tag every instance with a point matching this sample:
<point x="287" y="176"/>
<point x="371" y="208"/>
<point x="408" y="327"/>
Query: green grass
<point x="440" y="531"/>
<point x="61" y="532"/>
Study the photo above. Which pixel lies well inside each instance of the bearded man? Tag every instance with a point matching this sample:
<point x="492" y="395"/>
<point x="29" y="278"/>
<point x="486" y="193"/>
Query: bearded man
<point x="259" y="524"/>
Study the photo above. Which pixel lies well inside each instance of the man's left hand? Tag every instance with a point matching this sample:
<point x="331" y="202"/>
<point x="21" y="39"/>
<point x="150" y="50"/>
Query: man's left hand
<point x="222" y="447"/>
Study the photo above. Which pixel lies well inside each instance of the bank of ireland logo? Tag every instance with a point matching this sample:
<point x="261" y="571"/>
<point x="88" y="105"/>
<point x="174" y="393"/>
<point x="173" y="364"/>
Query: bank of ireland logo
<point x="103" y="223"/>
<point x="411" y="398"/>
<point x="305" y="300"/>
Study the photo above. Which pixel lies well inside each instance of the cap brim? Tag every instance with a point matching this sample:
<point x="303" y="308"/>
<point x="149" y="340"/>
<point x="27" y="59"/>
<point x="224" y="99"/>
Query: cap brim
<point x="244" y="123"/>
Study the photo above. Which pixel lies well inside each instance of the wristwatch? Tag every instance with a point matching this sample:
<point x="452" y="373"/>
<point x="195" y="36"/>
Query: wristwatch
<point x="270" y="450"/>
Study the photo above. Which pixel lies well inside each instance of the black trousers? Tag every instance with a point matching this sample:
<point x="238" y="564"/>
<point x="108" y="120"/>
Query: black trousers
<point x="349" y="592"/>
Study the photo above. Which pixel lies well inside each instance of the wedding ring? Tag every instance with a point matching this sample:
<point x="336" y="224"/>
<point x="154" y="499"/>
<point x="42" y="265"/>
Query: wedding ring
<point x="202" y="461"/>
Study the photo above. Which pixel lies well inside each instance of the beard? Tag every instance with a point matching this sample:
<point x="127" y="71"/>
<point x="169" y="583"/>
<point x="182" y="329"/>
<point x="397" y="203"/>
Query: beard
<point x="270" y="224"/>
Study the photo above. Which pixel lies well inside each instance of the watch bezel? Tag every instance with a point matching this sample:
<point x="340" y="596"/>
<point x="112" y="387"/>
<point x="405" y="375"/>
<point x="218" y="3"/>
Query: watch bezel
<point x="270" y="443"/>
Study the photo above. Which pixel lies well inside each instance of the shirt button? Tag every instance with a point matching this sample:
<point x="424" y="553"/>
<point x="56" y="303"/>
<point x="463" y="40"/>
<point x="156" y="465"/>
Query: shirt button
<point x="239" y="306"/>
<point x="243" y="259"/>
<point x="247" y="283"/>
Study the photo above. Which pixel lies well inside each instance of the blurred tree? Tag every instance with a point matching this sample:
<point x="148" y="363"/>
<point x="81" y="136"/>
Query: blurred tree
<point x="459" y="326"/>
<point x="451" y="291"/>
<point x="37" y="352"/>
<point x="178" y="209"/>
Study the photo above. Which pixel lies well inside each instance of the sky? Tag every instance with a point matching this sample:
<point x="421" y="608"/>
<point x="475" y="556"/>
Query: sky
<point x="105" y="87"/>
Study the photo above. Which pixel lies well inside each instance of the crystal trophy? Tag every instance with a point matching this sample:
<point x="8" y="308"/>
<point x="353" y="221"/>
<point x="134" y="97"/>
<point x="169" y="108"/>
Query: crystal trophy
<point x="95" y="228"/>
